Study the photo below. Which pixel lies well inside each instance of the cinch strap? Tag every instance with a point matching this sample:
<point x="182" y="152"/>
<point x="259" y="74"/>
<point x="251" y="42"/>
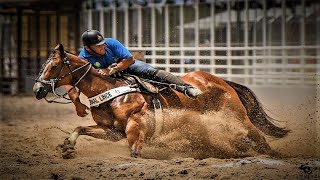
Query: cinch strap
<point x="111" y="94"/>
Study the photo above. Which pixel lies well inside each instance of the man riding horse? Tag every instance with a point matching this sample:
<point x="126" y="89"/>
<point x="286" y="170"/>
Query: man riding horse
<point x="109" y="53"/>
<point x="127" y="116"/>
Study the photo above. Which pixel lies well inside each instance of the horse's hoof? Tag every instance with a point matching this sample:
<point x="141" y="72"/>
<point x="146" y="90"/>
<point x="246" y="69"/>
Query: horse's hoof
<point x="275" y="154"/>
<point x="66" y="149"/>
<point x="69" y="154"/>
<point x="134" y="153"/>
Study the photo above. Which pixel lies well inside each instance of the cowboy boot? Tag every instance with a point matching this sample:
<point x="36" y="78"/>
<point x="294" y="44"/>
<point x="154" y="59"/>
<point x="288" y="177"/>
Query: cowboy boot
<point x="179" y="85"/>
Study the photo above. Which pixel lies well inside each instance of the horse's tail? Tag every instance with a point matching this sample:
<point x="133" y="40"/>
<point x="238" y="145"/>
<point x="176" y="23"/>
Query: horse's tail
<point x="256" y="112"/>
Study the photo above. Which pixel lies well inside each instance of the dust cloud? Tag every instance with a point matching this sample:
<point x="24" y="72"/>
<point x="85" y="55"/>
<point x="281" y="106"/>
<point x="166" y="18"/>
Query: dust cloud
<point x="190" y="134"/>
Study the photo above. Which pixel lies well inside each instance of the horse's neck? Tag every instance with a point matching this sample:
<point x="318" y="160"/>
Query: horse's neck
<point x="93" y="83"/>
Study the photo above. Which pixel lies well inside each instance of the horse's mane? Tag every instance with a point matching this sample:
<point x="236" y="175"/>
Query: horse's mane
<point x="70" y="52"/>
<point x="76" y="56"/>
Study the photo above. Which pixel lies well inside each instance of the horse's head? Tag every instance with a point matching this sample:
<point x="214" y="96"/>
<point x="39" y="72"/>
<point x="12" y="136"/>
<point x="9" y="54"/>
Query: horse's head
<point x="55" y="72"/>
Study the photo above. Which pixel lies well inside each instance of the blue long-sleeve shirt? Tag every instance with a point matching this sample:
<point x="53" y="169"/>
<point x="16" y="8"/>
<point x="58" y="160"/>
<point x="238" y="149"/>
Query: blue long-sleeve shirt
<point x="114" y="51"/>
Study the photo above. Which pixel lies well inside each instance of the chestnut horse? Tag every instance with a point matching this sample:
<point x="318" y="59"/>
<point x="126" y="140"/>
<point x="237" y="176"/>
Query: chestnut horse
<point x="122" y="117"/>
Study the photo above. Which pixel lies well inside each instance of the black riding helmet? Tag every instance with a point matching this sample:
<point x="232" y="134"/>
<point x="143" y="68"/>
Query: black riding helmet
<point x="92" y="37"/>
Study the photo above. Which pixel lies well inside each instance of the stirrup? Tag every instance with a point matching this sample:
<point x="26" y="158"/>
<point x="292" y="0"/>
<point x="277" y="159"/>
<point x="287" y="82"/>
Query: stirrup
<point x="195" y="89"/>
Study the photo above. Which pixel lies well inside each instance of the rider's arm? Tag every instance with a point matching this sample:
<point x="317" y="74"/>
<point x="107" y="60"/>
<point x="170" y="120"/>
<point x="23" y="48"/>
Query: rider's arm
<point x="120" y="51"/>
<point x="122" y="65"/>
<point x="125" y="63"/>
<point x="74" y="96"/>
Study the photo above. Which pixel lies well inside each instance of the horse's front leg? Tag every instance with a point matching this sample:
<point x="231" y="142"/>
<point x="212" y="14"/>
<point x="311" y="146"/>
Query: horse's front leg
<point x="103" y="130"/>
<point x="96" y="131"/>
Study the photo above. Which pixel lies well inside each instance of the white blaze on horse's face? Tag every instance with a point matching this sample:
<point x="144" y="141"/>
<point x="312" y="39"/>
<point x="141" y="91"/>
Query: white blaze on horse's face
<point x="51" y="69"/>
<point x="42" y="75"/>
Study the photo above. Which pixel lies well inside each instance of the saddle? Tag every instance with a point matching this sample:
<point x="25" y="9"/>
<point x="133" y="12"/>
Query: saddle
<point x="138" y="82"/>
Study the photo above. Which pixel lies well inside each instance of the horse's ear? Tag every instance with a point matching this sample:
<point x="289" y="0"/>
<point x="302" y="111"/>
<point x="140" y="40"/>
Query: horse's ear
<point x="57" y="46"/>
<point x="61" y="49"/>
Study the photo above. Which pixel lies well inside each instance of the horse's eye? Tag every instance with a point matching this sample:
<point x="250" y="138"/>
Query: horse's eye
<point x="54" y="65"/>
<point x="55" y="62"/>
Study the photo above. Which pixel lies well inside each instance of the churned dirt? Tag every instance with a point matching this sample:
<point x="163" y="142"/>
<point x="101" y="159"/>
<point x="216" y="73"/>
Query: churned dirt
<point x="198" y="148"/>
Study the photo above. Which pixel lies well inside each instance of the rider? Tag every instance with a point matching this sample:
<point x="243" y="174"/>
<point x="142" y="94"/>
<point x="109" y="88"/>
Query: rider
<point x="109" y="53"/>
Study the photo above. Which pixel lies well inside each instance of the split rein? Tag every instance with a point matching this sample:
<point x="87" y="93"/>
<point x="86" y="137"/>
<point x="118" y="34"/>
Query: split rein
<point x="52" y="82"/>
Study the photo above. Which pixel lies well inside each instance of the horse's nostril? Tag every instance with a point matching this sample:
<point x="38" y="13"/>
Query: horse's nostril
<point x="39" y="90"/>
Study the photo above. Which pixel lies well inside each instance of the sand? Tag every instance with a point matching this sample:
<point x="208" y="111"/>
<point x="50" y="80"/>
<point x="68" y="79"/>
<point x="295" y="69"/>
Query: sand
<point x="31" y="130"/>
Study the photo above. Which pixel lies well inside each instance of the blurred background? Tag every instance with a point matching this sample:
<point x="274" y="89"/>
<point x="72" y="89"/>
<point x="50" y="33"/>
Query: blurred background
<point x="259" y="43"/>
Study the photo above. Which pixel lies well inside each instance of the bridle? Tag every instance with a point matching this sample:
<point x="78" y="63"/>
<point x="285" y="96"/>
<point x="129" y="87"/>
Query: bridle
<point x="52" y="82"/>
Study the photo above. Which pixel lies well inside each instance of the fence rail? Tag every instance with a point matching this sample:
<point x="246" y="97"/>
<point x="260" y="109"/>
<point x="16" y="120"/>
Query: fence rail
<point x="258" y="66"/>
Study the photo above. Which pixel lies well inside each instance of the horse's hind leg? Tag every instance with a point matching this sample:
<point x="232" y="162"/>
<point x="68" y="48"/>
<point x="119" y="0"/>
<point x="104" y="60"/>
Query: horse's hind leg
<point x="96" y="131"/>
<point x="259" y="142"/>
<point x="135" y="135"/>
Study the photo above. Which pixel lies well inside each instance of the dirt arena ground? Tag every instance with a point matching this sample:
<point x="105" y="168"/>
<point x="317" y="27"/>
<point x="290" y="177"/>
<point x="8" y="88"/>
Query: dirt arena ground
<point x="30" y="130"/>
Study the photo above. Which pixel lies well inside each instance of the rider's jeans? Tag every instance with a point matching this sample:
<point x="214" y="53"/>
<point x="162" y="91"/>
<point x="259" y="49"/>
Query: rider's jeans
<point x="142" y="69"/>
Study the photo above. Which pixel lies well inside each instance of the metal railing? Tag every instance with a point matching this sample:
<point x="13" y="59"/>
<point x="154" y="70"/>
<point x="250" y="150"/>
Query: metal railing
<point x="266" y="46"/>
<point x="263" y="66"/>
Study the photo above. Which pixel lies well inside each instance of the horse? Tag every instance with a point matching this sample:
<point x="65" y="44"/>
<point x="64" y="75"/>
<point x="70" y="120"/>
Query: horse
<point x="123" y="116"/>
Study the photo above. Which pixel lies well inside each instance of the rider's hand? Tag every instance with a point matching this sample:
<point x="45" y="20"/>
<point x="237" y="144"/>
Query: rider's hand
<point x="103" y="72"/>
<point x="82" y="110"/>
<point x="113" y="68"/>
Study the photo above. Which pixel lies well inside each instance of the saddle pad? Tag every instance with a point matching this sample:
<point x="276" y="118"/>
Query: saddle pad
<point x="110" y="94"/>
